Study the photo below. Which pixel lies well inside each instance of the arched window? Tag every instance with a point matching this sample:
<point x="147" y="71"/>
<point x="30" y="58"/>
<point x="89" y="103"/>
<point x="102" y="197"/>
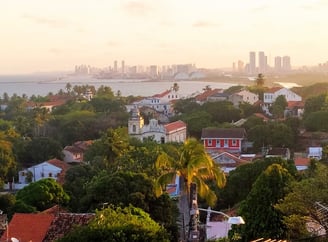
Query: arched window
<point x="134" y="128"/>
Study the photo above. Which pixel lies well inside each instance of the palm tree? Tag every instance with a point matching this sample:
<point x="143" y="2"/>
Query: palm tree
<point x="175" y="87"/>
<point x="193" y="165"/>
<point x="260" y="80"/>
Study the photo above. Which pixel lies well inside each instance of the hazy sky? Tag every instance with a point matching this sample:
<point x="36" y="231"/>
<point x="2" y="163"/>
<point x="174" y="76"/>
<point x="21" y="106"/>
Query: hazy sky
<point x="47" y="35"/>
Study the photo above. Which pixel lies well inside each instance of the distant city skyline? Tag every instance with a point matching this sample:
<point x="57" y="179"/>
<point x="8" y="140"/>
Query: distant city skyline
<point x="41" y="36"/>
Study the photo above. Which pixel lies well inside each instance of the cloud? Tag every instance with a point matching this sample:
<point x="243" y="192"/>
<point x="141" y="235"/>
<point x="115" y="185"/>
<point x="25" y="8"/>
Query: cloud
<point x="204" y="24"/>
<point x="137" y="8"/>
<point x="55" y="23"/>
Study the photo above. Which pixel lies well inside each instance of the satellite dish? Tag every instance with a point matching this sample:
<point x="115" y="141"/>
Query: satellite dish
<point x="14" y="239"/>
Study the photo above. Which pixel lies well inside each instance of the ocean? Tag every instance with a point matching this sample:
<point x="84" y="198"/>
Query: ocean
<point x="42" y="84"/>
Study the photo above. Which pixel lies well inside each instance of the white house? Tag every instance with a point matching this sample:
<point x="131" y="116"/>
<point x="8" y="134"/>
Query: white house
<point x="249" y="97"/>
<point x="159" y="102"/>
<point x="271" y="95"/>
<point x="172" y="132"/>
<point x="54" y="169"/>
<point x="315" y="153"/>
<point x="75" y="152"/>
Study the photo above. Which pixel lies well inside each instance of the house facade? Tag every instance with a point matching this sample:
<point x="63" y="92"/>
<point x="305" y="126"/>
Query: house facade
<point x="270" y="96"/>
<point x="54" y="169"/>
<point x="219" y="139"/>
<point x="159" y="102"/>
<point x="171" y="132"/>
<point x="228" y="162"/>
<point x="75" y="152"/>
<point x="249" y="97"/>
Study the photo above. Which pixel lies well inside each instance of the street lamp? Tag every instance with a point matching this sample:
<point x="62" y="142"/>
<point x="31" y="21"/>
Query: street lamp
<point x="218" y="229"/>
<point x="231" y="220"/>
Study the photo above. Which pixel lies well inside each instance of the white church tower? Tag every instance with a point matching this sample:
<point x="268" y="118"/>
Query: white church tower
<point x="135" y="124"/>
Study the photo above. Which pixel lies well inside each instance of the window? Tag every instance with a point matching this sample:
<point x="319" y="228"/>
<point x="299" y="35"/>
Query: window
<point x="218" y="143"/>
<point x="226" y="143"/>
<point x="234" y="142"/>
<point x="134" y="128"/>
<point x="50" y="174"/>
<point x="210" y="142"/>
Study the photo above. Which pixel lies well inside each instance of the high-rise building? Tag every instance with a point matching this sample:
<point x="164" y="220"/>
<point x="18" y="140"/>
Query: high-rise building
<point x="262" y="62"/>
<point x="123" y="66"/>
<point x="241" y="67"/>
<point x="277" y="63"/>
<point x="153" y="71"/>
<point x="115" y="66"/>
<point x="286" y="66"/>
<point x="252" y="63"/>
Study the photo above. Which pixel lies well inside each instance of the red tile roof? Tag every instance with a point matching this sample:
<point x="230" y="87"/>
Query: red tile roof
<point x="63" y="223"/>
<point x="203" y="96"/>
<point x="174" y="126"/>
<point x="273" y="89"/>
<point x="302" y="161"/>
<point x="237" y="160"/>
<point x="163" y="94"/>
<point x="28" y="227"/>
<point x="62" y="165"/>
<point x="293" y="104"/>
<point x="84" y="145"/>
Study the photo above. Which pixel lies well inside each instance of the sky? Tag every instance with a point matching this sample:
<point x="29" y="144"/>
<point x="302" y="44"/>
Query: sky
<point x="56" y="35"/>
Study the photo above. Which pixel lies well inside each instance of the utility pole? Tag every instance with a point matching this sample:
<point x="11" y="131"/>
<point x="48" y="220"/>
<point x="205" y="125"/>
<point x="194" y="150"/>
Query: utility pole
<point x="194" y="213"/>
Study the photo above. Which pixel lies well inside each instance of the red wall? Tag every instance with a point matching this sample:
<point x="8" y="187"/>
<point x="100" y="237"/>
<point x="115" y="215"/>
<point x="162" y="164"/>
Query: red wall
<point x="230" y="145"/>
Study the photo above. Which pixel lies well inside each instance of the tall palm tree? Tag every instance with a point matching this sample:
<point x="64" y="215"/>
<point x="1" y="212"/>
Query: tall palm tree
<point x="193" y="165"/>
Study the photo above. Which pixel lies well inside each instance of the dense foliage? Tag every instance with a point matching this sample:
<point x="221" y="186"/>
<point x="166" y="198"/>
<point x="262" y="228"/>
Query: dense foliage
<point x="120" y="224"/>
<point x="43" y="194"/>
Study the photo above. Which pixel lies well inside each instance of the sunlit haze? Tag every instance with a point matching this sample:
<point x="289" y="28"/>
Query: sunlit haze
<point x="39" y="35"/>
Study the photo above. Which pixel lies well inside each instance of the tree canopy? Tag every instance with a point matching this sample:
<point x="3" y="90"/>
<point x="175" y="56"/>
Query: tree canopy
<point x="120" y="224"/>
<point x="43" y="194"/>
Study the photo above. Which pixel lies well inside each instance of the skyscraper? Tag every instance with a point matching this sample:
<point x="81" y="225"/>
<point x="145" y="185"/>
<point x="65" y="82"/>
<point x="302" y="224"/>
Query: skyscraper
<point x="252" y="63"/>
<point x="115" y="66"/>
<point x="262" y="62"/>
<point x="286" y="66"/>
<point x="277" y="63"/>
<point x="240" y="66"/>
<point x="123" y="67"/>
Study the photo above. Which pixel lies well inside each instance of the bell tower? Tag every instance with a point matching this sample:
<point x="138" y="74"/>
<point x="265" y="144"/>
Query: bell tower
<point x="135" y="124"/>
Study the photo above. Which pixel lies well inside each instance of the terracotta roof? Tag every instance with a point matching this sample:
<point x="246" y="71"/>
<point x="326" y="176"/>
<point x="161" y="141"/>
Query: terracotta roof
<point x="60" y="164"/>
<point x="73" y="149"/>
<point x="203" y="96"/>
<point x="293" y="104"/>
<point x="302" y="161"/>
<point x="278" y="151"/>
<point x="175" y="126"/>
<point x="55" y="210"/>
<point x="63" y="223"/>
<point x="162" y="94"/>
<point x="219" y="133"/>
<point x="28" y="226"/>
<point x="84" y="145"/>
<point x="273" y="89"/>
<point x="233" y="157"/>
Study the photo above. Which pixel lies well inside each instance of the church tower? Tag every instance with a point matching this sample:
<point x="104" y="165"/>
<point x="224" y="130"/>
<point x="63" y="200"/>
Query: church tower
<point x="136" y="122"/>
